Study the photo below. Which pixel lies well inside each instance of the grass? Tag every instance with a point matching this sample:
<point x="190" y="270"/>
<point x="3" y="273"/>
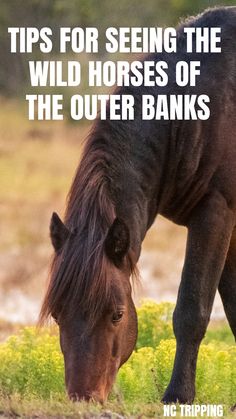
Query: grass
<point x="16" y="406"/>
<point x="37" y="163"/>
<point x="32" y="372"/>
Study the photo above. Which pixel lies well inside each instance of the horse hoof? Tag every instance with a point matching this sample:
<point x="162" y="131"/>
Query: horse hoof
<point x="178" y="396"/>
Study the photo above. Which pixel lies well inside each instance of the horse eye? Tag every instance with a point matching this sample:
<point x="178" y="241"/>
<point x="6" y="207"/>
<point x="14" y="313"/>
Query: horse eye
<point x="117" y="316"/>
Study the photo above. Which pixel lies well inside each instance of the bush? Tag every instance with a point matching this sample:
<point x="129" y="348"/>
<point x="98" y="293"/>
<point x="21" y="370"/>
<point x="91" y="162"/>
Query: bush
<point x="154" y="323"/>
<point x="147" y="373"/>
<point x="32" y="364"/>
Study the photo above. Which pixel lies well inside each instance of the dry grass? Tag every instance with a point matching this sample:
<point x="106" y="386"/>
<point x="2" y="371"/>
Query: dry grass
<point x="37" y="162"/>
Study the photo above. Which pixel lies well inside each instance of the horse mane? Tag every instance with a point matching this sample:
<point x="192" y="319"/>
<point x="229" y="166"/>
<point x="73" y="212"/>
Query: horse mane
<point x="78" y="277"/>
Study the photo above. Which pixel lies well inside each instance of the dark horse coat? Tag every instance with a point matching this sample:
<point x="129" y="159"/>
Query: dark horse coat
<point x="130" y="172"/>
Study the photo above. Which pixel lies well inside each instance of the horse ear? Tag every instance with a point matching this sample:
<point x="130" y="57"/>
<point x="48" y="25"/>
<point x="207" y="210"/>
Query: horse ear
<point x="58" y="232"/>
<point x="117" y="241"/>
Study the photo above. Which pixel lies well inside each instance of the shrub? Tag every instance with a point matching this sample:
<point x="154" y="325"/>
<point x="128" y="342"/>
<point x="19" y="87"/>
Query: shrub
<point x="147" y="373"/>
<point x="32" y="364"/>
<point x="154" y="323"/>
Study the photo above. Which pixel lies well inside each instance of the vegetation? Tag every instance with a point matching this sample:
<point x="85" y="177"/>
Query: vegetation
<point x="32" y="371"/>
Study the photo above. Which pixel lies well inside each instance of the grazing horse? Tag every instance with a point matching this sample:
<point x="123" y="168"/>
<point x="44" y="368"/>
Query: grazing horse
<point x="131" y="171"/>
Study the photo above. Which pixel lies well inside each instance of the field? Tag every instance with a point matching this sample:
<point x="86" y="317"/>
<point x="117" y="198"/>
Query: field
<point x="37" y="163"/>
<point x="32" y="381"/>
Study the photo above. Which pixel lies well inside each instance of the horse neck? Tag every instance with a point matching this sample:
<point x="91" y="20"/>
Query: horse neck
<point x="126" y="165"/>
<point x="136" y="179"/>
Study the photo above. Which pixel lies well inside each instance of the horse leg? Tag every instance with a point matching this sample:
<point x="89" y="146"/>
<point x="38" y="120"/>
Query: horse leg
<point x="227" y="285"/>
<point x="209" y="231"/>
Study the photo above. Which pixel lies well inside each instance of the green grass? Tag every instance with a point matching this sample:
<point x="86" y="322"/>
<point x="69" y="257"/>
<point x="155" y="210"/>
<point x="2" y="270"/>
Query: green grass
<point x="32" y="371"/>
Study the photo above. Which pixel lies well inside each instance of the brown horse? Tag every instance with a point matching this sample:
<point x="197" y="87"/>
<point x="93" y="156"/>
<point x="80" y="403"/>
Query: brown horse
<point x="131" y="171"/>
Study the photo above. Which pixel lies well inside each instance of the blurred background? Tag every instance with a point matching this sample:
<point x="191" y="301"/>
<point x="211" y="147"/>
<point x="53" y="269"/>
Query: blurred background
<point x="38" y="159"/>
